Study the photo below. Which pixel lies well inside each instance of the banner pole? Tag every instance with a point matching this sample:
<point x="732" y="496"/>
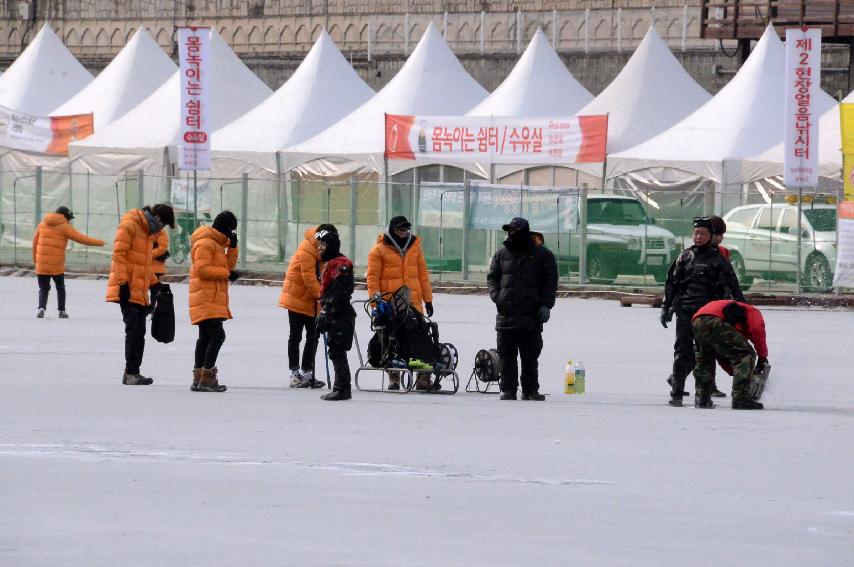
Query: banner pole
<point x="798" y="270"/>
<point x="195" y="201"/>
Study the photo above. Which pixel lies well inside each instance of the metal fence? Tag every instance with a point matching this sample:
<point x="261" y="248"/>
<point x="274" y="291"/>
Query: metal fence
<point x="618" y="237"/>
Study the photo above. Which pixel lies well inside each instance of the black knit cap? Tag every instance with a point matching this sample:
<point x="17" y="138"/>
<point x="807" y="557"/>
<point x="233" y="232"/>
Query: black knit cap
<point x="66" y="212"/>
<point x="718" y="225"/>
<point x="225" y="222"/>
<point x="703" y="222"/>
<point x="399" y="222"/>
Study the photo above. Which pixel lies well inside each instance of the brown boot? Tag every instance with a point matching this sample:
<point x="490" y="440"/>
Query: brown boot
<point x="208" y="381"/>
<point x="394" y="380"/>
<point x="197" y="376"/>
<point x="423" y="382"/>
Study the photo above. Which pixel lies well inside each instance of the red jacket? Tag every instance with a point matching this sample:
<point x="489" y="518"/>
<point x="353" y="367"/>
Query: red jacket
<point x="724" y="252"/>
<point x="754" y="331"/>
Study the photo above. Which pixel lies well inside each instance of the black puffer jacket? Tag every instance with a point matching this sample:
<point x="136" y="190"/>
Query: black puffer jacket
<point x="337" y="317"/>
<point x="522" y="278"/>
<point x="700" y="275"/>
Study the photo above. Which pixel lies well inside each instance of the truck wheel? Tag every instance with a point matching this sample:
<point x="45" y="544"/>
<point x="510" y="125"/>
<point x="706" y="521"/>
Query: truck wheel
<point x="744" y="281"/>
<point x="598" y="270"/>
<point x="817" y="276"/>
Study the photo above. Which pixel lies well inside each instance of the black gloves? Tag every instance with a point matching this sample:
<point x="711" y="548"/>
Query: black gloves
<point x="544" y="314"/>
<point x="232" y="240"/>
<point x="320" y="322"/>
<point x="162" y="257"/>
<point x="124" y="293"/>
<point x="666" y="315"/>
<point x="428" y="308"/>
<point x="761" y="364"/>
<point x="233" y="275"/>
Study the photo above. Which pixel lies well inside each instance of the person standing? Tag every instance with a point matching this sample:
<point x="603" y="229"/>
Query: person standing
<point x="722" y="330"/>
<point x="698" y="275"/>
<point x="522" y="283"/>
<point x="397" y="260"/>
<point x="214" y="257"/>
<point x="337" y="318"/>
<point x="300" y="292"/>
<point x="131" y="276"/>
<point x="49" y="243"/>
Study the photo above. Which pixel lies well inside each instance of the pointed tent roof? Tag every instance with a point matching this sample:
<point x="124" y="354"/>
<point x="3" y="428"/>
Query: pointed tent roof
<point x="651" y="93"/>
<point x="539" y="85"/>
<point x="431" y="82"/>
<point x="154" y="123"/>
<point x="44" y="76"/>
<point x="136" y="72"/>
<point x="322" y="90"/>
<point x="742" y="120"/>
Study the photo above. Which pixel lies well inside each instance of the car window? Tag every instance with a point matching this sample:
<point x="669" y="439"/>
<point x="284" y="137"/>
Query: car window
<point x="616" y="211"/>
<point x="823" y="219"/>
<point x="743" y="217"/>
<point x="789" y="224"/>
<point x="769" y="217"/>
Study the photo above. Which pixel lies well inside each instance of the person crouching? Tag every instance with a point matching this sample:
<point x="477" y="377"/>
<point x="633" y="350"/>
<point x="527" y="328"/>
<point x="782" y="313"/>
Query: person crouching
<point x="337" y="318"/>
<point x="214" y="256"/>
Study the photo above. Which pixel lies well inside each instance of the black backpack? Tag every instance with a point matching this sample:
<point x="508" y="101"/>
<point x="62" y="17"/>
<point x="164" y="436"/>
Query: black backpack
<point x="163" y="315"/>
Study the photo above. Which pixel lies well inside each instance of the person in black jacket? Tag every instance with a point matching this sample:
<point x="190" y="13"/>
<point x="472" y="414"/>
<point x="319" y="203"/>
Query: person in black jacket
<point x="336" y="318"/>
<point x="522" y="283"/>
<point x="699" y="275"/>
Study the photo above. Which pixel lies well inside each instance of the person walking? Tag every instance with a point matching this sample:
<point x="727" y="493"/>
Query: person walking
<point x="213" y="254"/>
<point x="49" y="243"/>
<point x="522" y="283"/>
<point x="131" y="276"/>
<point x="698" y="275"/>
<point x="722" y="330"/>
<point x="337" y="318"/>
<point x="397" y="260"/>
<point x="300" y="292"/>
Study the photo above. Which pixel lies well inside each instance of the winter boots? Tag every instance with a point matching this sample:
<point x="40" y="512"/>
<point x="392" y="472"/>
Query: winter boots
<point x="197" y="376"/>
<point x="208" y="381"/>
<point x="507" y="396"/>
<point x="337" y="396"/>
<point x="296" y="378"/>
<point x="394" y="381"/>
<point x="703" y="399"/>
<point x="717" y="393"/>
<point x="40" y="313"/>
<point x="63" y="315"/>
<point x="534" y="396"/>
<point x="746" y="404"/>
<point x="670" y="382"/>
<point x="136" y="380"/>
<point x="423" y="382"/>
<point x="307" y="380"/>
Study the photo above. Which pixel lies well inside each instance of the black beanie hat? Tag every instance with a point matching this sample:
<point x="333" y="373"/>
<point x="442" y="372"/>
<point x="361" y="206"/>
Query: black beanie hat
<point x="399" y="222"/>
<point x="703" y="222"/>
<point x="225" y="222"/>
<point x="66" y="212"/>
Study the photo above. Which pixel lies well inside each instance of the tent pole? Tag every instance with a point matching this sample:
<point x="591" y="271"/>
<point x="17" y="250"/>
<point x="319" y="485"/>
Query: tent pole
<point x="281" y="235"/>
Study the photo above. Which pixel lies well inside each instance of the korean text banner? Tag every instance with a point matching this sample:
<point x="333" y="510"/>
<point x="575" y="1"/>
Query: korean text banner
<point x="43" y="134"/>
<point x="846" y="122"/>
<point x="497" y="139"/>
<point x="803" y="81"/>
<point x="194" y="58"/>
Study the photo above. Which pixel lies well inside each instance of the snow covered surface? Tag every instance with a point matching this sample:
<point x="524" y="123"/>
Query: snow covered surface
<point x="96" y="473"/>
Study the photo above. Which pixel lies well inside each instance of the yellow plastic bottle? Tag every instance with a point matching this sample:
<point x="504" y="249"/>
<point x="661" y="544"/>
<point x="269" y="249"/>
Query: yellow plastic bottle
<point x="569" y="379"/>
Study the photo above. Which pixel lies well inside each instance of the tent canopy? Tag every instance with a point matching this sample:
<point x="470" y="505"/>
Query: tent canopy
<point x="136" y="72"/>
<point x="44" y="76"/>
<point x="431" y="82"/>
<point x="539" y="85"/>
<point x="140" y="137"/>
<point x="742" y="120"/>
<point x="322" y="90"/>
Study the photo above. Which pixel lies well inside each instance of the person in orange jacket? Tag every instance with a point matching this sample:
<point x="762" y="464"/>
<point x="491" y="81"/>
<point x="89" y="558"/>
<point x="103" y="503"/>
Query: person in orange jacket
<point x="397" y="260"/>
<point x="214" y="257"/>
<point x="49" y="243"/>
<point x="300" y="294"/>
<point x="131" y="276"/>
<point x="159" y="254"/>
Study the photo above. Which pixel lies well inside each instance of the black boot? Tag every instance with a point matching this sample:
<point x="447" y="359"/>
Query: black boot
<point x="508" y="396"/>
<point x="703" y="399"/>
<point x="746" y="404"/>
<point x="670" y="383"/>
<point x="534" y="396"/>
<point x="337" y="396"/>
<point x="717" y="393"/>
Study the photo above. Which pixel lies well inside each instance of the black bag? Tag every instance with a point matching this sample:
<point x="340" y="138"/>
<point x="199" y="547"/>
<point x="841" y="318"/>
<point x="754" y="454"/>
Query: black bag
<point x="163" y="316"/>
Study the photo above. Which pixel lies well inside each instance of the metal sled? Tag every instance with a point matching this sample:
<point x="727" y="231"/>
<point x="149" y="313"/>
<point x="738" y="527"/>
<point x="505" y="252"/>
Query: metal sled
<point x="440" y="374"/>
<point x="485" y="374"/>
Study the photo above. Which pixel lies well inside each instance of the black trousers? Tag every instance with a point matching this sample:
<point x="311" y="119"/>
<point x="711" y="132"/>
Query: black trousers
<point x="134" y="318"/>
<point x="684" y="359"/>
<point x="211" y="338"/>
<point x="299" y="323"/>
<point x="44" y="290"/>
<point x="338" y="357"/>
<point x="527" y="345"/>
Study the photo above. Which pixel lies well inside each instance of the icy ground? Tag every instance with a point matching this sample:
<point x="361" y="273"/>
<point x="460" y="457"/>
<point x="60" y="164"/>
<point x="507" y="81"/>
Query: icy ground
<point x="93" y="473"/>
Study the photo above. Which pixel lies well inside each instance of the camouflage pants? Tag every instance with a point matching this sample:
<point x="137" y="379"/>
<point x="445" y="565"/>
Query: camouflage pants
<point x="717" y="340"/>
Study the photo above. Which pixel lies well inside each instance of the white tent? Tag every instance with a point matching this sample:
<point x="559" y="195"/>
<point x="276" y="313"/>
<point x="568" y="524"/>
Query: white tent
<point x="742" y="120"/>
<point x="143" y="136"/>
<point x="431" y="82"/>
<point x="322" y="90"/>
<point x="652" y="92"/>
<point x="136" y="72"/>
<point x="539" y="85"/>
<point x="44" y="76"/>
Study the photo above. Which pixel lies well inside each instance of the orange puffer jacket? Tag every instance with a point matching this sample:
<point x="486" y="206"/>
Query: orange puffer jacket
<point x="132" y="258"/>
<point x="388" y="269"/>
<point x="209" y="275"/>
<point x="49" y="242"/>
<point x="301" y="288"/>
<point x="161" y="246"/>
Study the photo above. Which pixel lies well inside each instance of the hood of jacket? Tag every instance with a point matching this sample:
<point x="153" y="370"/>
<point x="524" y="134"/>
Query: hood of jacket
<point x="309" y="243"/>
<point x="137" y="216"/>
<point x="209" y="232"/>
<point x="386" y="238"/>
<point x="55" y="219"/>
